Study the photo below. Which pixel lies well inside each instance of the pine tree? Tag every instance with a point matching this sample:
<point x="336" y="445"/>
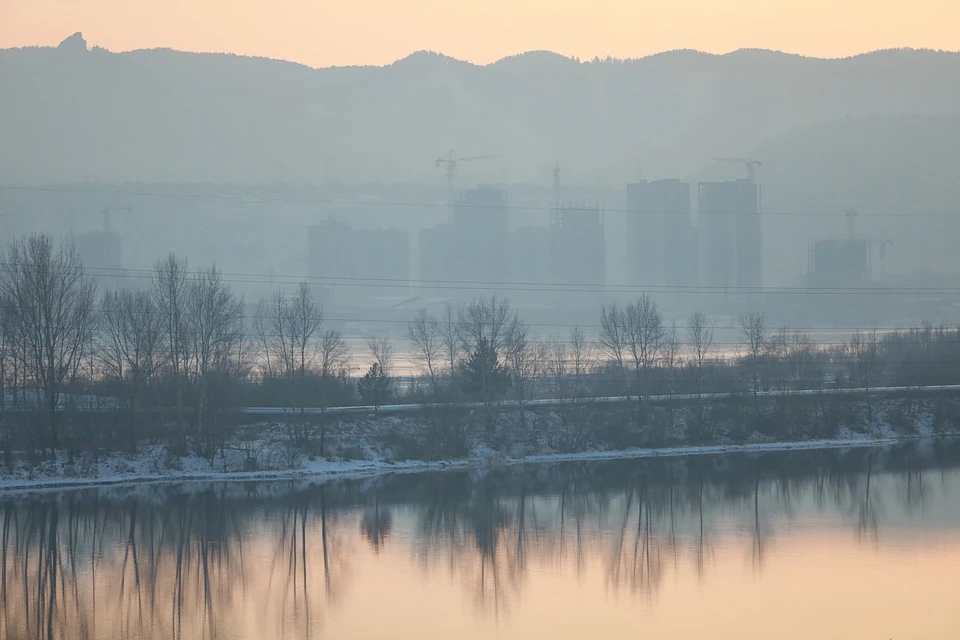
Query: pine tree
<point x="484" y="375"/>
<point x="374" y="386"/>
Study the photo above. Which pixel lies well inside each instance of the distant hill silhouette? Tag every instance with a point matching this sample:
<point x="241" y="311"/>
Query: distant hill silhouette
<point x="76" y="114"/>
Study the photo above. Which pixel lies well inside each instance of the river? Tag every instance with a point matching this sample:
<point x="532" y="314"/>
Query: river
<point x="857" y="543"/>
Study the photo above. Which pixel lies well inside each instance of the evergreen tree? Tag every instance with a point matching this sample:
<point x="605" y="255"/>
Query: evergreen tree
<point x="484" y="376"/>
<point x="374" y="386"/>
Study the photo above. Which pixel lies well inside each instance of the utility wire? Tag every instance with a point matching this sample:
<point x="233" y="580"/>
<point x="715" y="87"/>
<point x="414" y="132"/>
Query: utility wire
<point x="441" y="205"/>
<point x="490" y="285"/>
<point x="881" y="331"/>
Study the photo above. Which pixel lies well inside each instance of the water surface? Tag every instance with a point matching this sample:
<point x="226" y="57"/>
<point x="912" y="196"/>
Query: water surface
<point x="861" y="543"/>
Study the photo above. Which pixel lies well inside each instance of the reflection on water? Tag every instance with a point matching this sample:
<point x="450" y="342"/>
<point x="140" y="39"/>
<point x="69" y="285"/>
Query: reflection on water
<point x="661" y="545"/>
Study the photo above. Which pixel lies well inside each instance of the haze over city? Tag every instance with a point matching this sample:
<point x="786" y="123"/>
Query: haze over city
<point x="479" y="319"/>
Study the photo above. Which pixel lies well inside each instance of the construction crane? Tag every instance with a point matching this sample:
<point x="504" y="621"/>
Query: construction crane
<point x="750" y="163"/>
<point x="555" y="173"/>
<point x="851" y="214"/>
<point x="452" y="162"/>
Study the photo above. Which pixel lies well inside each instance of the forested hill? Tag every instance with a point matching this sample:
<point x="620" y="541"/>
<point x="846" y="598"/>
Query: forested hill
<point x="80" y="113"/>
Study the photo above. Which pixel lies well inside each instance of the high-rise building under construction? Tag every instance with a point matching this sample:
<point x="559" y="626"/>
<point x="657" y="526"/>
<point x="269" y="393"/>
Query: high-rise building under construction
<point x="577" y="255"/>
<point x="661" y="239"/>
<point x="731" y="223"/>
<point x="473" y="248"/>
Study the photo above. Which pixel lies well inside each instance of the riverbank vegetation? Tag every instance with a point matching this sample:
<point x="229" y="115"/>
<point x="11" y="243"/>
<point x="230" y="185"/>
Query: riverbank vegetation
<point x="173" y="364"/>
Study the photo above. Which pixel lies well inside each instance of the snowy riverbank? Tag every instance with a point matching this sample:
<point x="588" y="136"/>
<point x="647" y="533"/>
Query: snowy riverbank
<point x="359" y="446"/>
<point x="150" y="464"/>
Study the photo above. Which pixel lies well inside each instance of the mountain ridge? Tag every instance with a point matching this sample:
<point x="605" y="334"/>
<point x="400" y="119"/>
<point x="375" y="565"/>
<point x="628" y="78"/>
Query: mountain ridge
<point x="163" y="115"/>
<point x="505" y="58"/>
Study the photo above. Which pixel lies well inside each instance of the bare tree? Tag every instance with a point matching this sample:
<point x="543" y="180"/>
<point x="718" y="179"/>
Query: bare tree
<point x="305" y="326"/>
<point x="425" y="334"/>
<point x="557" y="367"/>
<point x="215" y="316"/>
<point x="484" y="329"/>
<point x="13" y="367"/>
<point x="778" y="352"/>
<point x="14" y="371"/>
<point x="753" y="333"/>
<point x="263" y="339"/>
<point x="863" y="362"/>
<point x="612" y="339"/>
<point x="581" y="355"/>
<point x="289" y="332"/>
<point x="525" y="360"/>
<point x="374" y="387"/>
<point x="565" y="365"/>
<point x="672" y="357"/>
<point x="334" y="360"/>
<point x="450" y="337"/>
<point x="382" y="351"/>
<point x="7" y="357"/>
<point x="271" y="326"/>
<point x="700" y="337"/>
<point x="488" y="323"/>
<point x="670" y="363"/>
<point x="303" y="320"/>
<point x="486" y="320"/>
<point x="172" y="296"/>
<point x="129" y="345"/>
<point x="334" y="355"/>
<point x="273" y="338"/>
<point x="49" y="301"/>
<point x="644" y="334"/>
<point x="800" y="355"/>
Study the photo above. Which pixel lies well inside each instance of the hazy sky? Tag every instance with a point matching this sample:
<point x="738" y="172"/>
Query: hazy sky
<point x="328" y="32"/>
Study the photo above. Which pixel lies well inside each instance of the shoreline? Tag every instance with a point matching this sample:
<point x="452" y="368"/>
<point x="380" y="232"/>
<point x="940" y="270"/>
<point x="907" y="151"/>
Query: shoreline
<point x="322" y="470"/>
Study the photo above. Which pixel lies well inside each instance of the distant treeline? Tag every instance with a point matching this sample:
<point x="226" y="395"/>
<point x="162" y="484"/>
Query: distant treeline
<point x="182" y="356"/>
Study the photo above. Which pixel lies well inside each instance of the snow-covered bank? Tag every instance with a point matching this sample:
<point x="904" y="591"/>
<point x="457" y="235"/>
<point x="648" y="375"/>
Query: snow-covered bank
<point x="362" y="446"/>
<point x="555" y="403"/>
<point x="118" y="468"/>
<point x="122" y="469"/>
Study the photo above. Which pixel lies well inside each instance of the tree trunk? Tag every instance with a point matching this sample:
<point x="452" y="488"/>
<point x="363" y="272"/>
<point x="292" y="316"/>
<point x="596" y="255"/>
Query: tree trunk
<point x="54" y="441"/>
<point x="202" y="435"/>
<point x="323" y="433"/>
<point x="181" y="422"/>
<point x="133" y="420"/>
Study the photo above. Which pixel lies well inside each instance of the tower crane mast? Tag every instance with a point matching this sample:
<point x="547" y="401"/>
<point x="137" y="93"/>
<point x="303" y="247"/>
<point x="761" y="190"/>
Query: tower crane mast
<point x="750" y="163"/>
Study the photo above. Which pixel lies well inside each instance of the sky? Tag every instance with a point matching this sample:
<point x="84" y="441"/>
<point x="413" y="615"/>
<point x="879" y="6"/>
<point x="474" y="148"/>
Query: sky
<point x="323" y="33"/>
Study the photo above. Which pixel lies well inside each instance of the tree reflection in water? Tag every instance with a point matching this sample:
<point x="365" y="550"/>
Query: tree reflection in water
<point x="376" y="524"/>
<point x="235" y="560"/>
<point x="636" y="556"/>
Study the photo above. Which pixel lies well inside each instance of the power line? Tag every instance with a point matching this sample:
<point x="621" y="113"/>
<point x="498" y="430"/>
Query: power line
<point x="558" y="285"/>
<point x="881" y="331"/>
<point x="491" y="285"/>
<point x="438" y="205"/>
